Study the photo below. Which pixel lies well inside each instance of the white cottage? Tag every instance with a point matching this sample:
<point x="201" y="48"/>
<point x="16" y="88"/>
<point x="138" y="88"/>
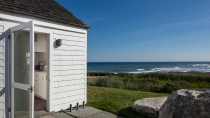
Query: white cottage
<point x="43" y="57"/>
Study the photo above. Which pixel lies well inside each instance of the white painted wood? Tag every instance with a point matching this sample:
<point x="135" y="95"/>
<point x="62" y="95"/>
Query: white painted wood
<point x="36" y="84"/>
<point x="18" y="85"/>
<point x="1" y="28"/>
<point x="40" y="42"/>
<point x="86" y="68"/>
<point x="2" y="71"/>
<point x="41" y="85"/>
<point x="6" y="63"/>
<point x="69" y="69"/>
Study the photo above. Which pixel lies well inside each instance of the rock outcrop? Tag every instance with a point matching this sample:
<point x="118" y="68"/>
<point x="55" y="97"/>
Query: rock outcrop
<point x="186" y="104"/>
<point x="149" y="107"/>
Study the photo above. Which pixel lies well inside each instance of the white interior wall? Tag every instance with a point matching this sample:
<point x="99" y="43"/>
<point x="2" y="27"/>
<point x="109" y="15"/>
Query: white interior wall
<point x="41" y="56"/>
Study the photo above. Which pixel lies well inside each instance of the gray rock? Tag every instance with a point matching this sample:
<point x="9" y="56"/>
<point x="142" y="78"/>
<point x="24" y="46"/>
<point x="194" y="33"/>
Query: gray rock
<point x="186" y="104"/>
<point x="149" y="107"/>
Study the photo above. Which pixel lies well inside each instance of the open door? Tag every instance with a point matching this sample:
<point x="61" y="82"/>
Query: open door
<point x="22" y="70"/>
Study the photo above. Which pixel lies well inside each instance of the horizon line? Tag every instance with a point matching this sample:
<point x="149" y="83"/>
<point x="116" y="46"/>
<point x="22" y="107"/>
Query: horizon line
<point x="139" y="61"/>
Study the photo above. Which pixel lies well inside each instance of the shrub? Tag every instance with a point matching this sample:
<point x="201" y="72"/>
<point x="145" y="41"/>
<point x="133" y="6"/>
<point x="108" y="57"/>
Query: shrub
<point x="156" y="88"/>
<point x="102" y="82"/>
<point x="169" y="88"/>
<point x="154" y="82"/>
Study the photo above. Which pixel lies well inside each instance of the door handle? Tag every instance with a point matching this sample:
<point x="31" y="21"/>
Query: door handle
<point x="31" y="89"/>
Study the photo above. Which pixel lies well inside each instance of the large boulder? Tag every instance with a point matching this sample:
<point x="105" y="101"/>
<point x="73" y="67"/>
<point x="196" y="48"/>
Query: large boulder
<point x="186" y="104"/>
<point x="149" y="107"/>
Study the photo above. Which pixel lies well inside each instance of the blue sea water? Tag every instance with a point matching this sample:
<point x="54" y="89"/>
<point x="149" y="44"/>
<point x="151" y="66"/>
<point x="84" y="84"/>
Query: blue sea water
<point x="148" y="67"/>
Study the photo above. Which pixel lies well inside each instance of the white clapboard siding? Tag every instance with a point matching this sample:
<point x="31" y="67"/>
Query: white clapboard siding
<point x="69" y="93"/>
<point x="68" y="33"/>
<point x="70" y="100"/>
<point x="2" y="56"/>
<point x="72" y="42"/>
<point x="69" y="77"/>
<point x="68" y="58"/>
<point x="2" y="79"/>
<point x="73" y="90"/>
<point x="71" y="48"/>
<point x="68" y="72"/>
<point x="69" y="38"/>
<point x="69" y="63"/>
<point x="62" y="89"/>
<point x="68" y="53"/>
<point x="69" y="69"/>
<point x="74" y="83"/>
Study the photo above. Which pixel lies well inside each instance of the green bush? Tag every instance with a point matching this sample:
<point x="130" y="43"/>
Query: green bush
<point x="169" y="88"/>
<point x="156" y="88"/>
<point x="154" y="82"/>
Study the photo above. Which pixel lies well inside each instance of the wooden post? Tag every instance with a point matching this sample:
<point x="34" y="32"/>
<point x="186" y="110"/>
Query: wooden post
<point x="83" y="104"/>
<point x="70" y="107"/>
<point x="77" y="105"/>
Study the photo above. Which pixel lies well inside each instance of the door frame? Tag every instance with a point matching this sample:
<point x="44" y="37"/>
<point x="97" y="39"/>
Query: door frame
<point x="50" y="43"/>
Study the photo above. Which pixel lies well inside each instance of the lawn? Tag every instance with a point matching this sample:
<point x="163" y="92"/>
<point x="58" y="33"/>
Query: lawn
<point x="117" y="101"/>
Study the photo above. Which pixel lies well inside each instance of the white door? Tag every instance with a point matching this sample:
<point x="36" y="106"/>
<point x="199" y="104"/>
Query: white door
<point x="22" y="70"/>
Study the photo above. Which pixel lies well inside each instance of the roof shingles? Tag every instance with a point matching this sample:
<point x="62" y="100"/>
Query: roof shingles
<point x="46" y="9"/>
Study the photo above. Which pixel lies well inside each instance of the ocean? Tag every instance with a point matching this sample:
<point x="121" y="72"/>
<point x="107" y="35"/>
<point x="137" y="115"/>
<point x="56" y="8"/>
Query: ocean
<point x="148" y="67"/>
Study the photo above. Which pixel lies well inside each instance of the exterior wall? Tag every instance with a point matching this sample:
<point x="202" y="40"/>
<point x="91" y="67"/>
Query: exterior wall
<point x="69" y="69"/>
<point x="2" y="71"/>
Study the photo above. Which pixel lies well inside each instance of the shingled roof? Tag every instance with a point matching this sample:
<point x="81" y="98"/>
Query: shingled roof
<point x="46" y="9"/>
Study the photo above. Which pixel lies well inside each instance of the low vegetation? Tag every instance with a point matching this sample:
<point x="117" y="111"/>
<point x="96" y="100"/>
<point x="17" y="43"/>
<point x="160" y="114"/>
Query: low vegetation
<point x="117" y="101"/>
<point x="150" y="82"/>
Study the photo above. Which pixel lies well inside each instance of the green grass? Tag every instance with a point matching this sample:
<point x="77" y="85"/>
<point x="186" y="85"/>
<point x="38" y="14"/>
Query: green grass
<point x="117" y="101"/>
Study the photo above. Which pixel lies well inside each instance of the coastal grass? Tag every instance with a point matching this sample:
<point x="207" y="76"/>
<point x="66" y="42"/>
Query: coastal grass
<point x="150" y="82"/>
<point x="117" y="101"/>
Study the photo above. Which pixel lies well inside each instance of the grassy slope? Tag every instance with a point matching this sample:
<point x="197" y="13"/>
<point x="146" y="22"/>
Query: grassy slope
<point x="117" y="101"/>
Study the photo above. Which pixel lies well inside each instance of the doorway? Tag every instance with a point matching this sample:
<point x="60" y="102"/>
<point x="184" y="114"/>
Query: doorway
<point x="27" y="53"/>
<point x="40" y="72"/>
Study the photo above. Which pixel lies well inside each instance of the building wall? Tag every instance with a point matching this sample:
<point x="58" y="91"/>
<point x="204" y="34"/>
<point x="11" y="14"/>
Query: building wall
<point x="69" y="62"/>
<point x="2" y="71"/>
<point x="69" y="69"/>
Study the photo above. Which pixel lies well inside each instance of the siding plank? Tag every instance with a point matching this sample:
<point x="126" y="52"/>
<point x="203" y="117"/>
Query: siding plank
<point x="1" y="28"/>
<point x="1" y="49"/>
<point x="68" y="57"/>
<point x="68" y="77"/>
<point x="1" y="69"/>
<point x="1" y="83"/>
<point x="1" y="55"/>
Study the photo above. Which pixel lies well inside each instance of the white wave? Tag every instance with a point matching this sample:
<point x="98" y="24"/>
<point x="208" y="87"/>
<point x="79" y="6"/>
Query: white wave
<point x="135" y="72"/>
<point x="206" y="72"/>
<point x="185" y="71"/>
<point x="143" y="72"/>
<point x="140" y="69"/>
<point x="201" y="65"/>
<point x="165" y="69"/>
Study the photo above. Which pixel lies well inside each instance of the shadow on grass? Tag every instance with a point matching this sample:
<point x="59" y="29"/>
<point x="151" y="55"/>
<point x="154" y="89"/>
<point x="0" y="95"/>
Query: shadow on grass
<point x="128" y="112"/>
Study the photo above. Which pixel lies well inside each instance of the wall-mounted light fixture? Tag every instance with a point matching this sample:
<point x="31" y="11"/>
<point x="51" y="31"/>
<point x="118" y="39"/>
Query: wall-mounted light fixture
<point x="58" y="42"/>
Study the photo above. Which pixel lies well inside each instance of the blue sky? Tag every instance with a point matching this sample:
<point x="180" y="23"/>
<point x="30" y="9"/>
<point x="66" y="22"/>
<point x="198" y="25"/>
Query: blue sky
<point x="145" y="30"/>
